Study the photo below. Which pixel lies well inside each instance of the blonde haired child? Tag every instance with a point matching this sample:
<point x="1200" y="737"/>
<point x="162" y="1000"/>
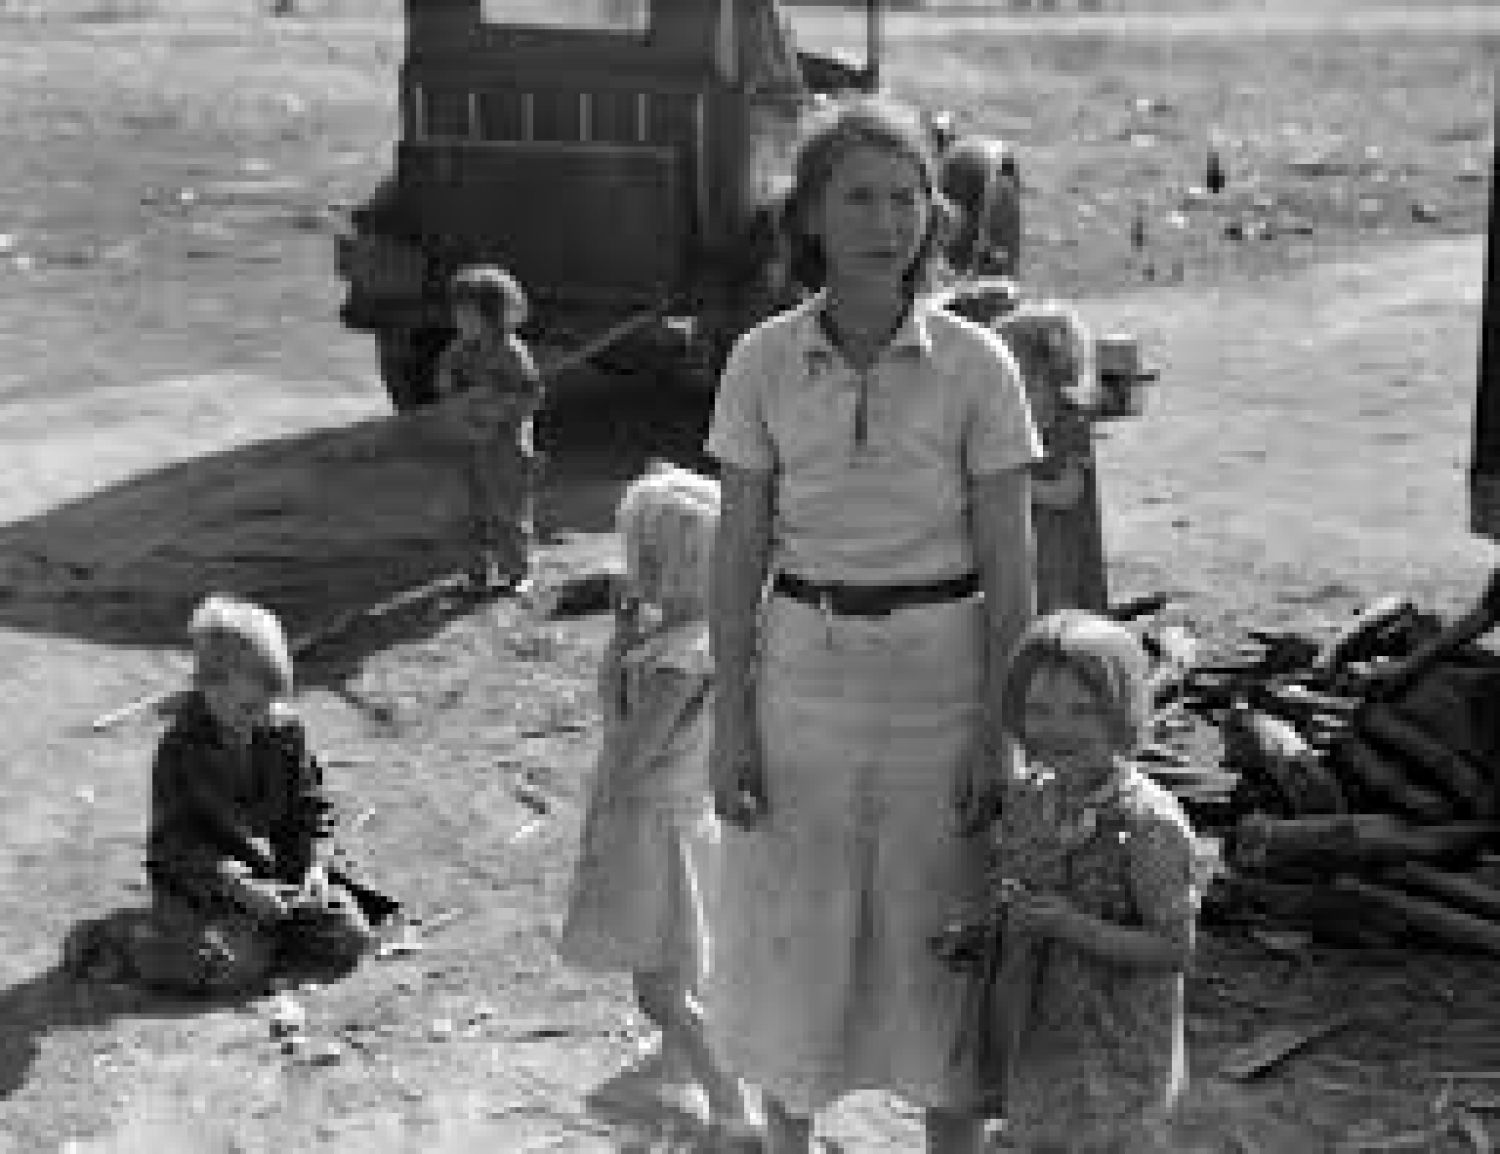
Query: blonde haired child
<point x="1097" y="875"/>
<point x="243" y="870"/>
<point x="637" y="895"/>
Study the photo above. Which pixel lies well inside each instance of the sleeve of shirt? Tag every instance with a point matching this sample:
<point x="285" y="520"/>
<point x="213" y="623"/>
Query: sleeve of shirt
<point x="999" y="433"/>
<point x="1163" y="875"/>
<point x="310" y="818"/>
<point x="739" y="433"/>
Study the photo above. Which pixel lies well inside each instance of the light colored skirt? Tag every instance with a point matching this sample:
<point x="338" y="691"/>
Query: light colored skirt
<point x="823" y="980"/>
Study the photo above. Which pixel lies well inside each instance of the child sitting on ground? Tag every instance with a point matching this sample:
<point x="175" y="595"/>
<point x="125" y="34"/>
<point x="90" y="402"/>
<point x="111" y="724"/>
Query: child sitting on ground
<point x="244" y="874"/>
<point x="490" y="389"/>
<point x="1096" y="875"/>
<point x="648" y="838"/>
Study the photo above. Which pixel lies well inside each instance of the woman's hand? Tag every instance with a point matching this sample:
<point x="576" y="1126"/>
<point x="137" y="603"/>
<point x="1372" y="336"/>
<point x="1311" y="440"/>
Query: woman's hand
<point x="981" y="789"/>
<point x="736" y="770"/>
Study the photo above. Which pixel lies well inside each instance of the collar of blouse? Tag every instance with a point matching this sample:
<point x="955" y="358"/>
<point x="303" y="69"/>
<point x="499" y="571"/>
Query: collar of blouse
<point x="912" y="336"/>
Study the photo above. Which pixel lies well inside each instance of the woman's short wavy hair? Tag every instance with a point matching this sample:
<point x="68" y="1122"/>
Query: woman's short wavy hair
<point x="667" y="519"/>
<point x="837" y="130"/>
<point x="228" y="632"/>
<point x="1103" y="654"/>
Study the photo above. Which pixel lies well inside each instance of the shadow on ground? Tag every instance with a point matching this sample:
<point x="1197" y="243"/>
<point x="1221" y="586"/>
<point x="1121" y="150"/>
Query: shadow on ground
<point x="57" y="1000"/>
<point x="314" y="525"/>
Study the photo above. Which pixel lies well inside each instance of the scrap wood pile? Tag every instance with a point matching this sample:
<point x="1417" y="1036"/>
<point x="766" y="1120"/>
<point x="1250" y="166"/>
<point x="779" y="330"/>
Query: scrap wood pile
<point x="1357" y="798"/>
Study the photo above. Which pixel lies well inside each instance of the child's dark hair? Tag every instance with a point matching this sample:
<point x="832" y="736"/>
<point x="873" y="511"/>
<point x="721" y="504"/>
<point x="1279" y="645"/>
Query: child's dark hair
<point x="861" y="122"/>
<point x="497" y="295"/>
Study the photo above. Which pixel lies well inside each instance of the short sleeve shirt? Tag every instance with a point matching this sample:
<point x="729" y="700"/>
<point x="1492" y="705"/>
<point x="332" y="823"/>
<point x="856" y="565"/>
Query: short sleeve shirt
<point x="871" y="469"/>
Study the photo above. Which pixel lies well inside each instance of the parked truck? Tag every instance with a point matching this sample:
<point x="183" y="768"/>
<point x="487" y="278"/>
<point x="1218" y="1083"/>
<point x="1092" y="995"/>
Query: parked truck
<point x="623" y="158"/>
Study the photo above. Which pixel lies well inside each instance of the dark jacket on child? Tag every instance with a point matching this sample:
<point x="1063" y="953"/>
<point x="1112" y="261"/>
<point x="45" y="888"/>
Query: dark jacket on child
<point x="221" y="813"/>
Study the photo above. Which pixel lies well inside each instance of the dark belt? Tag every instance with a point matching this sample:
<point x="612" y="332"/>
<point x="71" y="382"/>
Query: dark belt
<point x="873" y="600"/>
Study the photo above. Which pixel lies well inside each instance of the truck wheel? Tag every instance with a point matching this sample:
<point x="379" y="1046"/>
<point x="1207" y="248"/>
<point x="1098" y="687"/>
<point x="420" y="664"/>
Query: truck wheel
<point x="407" y="360"/>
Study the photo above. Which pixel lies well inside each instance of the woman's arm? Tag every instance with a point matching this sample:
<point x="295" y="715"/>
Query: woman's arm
<point x="1000" y="525"/>
<point x="742" y="558"/>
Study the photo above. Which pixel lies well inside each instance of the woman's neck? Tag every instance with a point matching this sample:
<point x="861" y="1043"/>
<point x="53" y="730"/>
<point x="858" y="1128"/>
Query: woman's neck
<point x="864" y="317"/>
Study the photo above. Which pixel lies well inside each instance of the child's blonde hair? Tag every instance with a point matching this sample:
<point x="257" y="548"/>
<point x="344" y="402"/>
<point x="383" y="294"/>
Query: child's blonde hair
<point x="229" y="631"/>
<point x="667" y="518"/>
<point x="1102" y="654"/>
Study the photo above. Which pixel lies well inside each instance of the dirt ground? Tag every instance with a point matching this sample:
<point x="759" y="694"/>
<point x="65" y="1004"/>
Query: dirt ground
<point x="181" y="412"/>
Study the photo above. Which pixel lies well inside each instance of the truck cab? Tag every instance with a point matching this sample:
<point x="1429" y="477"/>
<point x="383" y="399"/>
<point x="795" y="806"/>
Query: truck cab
<point x="615" y="155"/>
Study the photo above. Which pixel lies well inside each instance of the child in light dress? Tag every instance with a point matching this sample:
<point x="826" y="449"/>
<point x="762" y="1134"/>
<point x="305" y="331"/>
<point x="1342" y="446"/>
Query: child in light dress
<point x="1097" y="875"/>
<point x="637" y="901"/>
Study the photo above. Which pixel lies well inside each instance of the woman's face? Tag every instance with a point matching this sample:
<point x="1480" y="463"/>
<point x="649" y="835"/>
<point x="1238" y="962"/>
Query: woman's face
<point x="1068" y="727"/>
<point x="872" y="216"/>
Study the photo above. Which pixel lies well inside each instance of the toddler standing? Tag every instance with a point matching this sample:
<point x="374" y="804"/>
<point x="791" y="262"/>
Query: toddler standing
<point x="637" y="897"/>
<point x="1097" y="876"/>
<point x="490" y="389"/>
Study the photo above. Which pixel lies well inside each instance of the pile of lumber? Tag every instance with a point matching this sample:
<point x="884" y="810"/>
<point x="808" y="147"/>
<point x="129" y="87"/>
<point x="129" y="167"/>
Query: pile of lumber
<point x="1365" y="770"/>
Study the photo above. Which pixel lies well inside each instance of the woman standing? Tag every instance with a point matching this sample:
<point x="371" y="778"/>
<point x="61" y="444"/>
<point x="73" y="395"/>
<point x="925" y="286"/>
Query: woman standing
<point x="874" y="456"/>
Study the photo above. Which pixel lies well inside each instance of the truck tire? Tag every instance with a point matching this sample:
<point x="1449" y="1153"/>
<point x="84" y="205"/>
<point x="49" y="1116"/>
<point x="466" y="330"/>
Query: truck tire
<point x="407" y="358"/>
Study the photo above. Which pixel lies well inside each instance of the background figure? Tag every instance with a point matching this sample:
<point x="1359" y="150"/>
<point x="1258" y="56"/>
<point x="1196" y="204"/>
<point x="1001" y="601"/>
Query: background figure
<point x="244" y="871"/>
<point x="490" y="390"/>
<point x="637" y="901"/>
<point x="1055" y="351"/>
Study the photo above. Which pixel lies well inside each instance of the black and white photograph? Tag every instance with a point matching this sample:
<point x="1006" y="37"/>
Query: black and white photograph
<point x="749" y="576"/>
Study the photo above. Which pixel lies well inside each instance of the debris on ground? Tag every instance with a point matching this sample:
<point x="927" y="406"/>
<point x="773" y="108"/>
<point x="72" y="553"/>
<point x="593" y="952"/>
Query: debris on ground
<point x="1265" y="1051"/>
<point x="1354" y="797"/>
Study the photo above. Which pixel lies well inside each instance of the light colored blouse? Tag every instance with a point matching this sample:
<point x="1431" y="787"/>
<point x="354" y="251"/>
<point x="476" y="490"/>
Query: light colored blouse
<point x="871" y="468"/>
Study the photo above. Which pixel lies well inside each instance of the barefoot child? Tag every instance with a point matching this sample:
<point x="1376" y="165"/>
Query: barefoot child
<point x="637" y="896"/>
<point x="243" y="871"/>
<point x="491" y="389"/>
<point x="1097" y="876"/>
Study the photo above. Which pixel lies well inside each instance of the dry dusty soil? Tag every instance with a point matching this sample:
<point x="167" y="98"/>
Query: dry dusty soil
<point x="179" y="411"/>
